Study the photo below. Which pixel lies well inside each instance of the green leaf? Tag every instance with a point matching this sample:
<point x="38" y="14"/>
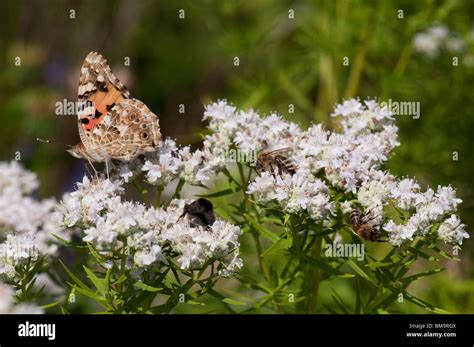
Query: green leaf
<point x="90" y="294"/>
<point x="338" y="300"/>
<point x="64" y="241"/>
<point x="377" y="264"/>
<point x="283" y="243"/>
<point x="406" y="266"/>
<point x="146" y="287"/>
<point x="324" y="266"/>
<point x="193" y="302"/>
<point x="98" y="258"/>
<point x="233" y="302"/>
<point x="412" y="278"/>
<point x="393" y="213"/>
<point x="223" y="211"/>
<point x="99" y="283"/>
<point x="120" y="279"/>
<point x="74" y="277"/>
<point x="219" y="193"/>
<point x="387" y="301"/>
<point x="387" y="261"/>
<point x="330" y="309"/>
<point x="358" y="303"/>
<point x="215" y="294"/>
<point x="422" y="254"/>
<point x="346" y="276"/>
<point x="359" y="271"/>
<point x="261" y="229"/>
<point x="424" y="304"/>
<point x="272" y="220"/>
<point x="442" y="253"/>
<point x="234" y="186"/>
<point x="46" y="306"/>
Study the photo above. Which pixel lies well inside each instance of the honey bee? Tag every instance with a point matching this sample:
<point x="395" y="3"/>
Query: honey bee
<point x="276" y="162"/>
<point x="360" y="223"/>
<point x="200" y="213"/>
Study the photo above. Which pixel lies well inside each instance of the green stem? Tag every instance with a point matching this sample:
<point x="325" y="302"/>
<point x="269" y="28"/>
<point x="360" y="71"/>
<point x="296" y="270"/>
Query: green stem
<point x="231" y="178"/>
<point x="139" y="187"/>
<point x="315" y="276"/>
<point x="159" y="190"/>
<point x="122" y="270"/>
<point x="256" y="238"/>
<point x="258" y="245"/>
<point x="177" y="192"/>
<point x="242" y="178"/>
<point x="24" y="294"/>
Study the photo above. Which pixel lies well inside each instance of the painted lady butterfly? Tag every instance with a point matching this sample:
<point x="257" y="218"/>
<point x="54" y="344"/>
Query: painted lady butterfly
<point x="111" y="124"/>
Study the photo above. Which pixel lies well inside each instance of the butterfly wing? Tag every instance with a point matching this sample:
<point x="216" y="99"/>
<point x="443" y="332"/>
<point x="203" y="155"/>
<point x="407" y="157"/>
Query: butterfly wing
<point x="127" y="130"/>
<point x="99" y="90"/>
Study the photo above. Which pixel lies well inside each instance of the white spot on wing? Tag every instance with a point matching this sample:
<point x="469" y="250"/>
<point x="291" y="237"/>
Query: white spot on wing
<point x="98" y="131"/>
<point x="122" y="128"/>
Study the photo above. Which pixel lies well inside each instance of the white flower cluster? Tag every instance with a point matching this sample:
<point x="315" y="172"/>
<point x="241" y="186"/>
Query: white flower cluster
<point x="435" y="39"/>
<point x="247" y="132"/>
<point x="330" y="164"/>
<point x="429" y="208"/>
<point x="153" y="236"/>
<point x="198" y="244"/>
<point x="294" y="193"/>
<point x="353" y="156"/>
<point x="8" y="306"/>
<point x="421" y="210"/>
<point x="26" y="224"/>
<point x="347" y="159"/>
<point x="168" y="163"/>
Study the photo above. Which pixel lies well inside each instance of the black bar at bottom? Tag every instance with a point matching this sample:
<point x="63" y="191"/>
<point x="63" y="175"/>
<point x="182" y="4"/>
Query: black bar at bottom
<point x="317" y="330"/>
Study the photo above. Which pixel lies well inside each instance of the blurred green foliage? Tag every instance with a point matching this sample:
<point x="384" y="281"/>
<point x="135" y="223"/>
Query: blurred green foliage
<point x="283" y="61"/>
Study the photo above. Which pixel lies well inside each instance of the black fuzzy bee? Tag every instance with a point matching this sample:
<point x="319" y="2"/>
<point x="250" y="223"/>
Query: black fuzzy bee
<point x="200" y="213"/>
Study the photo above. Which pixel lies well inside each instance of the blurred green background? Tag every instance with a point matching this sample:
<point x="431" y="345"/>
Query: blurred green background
<point x="290" y="54"/>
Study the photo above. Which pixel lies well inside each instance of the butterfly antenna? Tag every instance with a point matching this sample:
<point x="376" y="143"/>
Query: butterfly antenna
<point x="49" y="141"/>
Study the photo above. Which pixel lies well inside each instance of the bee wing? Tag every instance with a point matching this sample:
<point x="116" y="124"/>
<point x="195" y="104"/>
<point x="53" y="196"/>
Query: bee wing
<point x="368" y="216"/>
<point x="284" y="150"/>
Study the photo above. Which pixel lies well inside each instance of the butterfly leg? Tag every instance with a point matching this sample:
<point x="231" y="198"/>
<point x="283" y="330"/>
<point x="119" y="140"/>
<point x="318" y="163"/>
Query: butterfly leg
<point x="107" y="168"/>
<point x="88" y="171"/>
<point x="93" y="168"/>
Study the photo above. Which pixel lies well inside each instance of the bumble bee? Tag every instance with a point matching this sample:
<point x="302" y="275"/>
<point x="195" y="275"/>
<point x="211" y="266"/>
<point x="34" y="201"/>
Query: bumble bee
<point x="276" y="162"/>
<point x="360" y="223"/>
<point x="200" y="213"/>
